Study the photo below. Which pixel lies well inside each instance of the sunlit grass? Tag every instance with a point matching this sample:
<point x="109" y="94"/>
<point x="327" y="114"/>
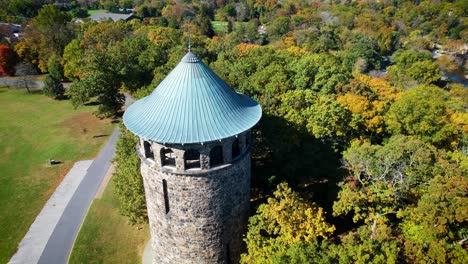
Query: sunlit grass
<point x="96" y="11"/>
<point x="219" y="26"/>
<point x="33" y="129"/>
<point x="107" y="237"/>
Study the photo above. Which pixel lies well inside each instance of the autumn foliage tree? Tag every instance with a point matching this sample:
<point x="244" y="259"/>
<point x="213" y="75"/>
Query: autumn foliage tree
<point x="47" y="36"/>
<point x="7" y="60"/>
<point x="286" y="219"/>
<point x="436" y="228"/>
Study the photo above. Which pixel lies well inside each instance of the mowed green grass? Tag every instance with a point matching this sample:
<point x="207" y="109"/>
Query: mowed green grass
<point x="96" y="11"/>
<point x="34" y="128"/>
<point x="106" y="236"/>
<point x="220" y="27"/>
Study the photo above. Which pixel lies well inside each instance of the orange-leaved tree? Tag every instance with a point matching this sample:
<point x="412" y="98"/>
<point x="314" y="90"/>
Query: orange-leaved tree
<point x="7" y="60"/>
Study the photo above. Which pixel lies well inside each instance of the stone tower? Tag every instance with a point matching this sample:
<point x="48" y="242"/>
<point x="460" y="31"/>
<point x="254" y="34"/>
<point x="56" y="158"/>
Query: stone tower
<point x="194" y="145"/>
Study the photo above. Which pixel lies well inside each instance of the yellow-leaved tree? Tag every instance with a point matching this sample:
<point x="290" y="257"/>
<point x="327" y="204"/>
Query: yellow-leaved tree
<point x="285" y="220"/>
<point x="369" y="98"/>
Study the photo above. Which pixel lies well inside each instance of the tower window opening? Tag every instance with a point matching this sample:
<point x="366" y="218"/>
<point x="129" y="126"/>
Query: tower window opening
<point x="247" y="138"/>
<point x="235" y="149"/>
<point x="228" y="254"/>
<point x="167" y="157"/>
<point x="192" y="159"/>
<point x="148" y="150"/>
<point x="166" y="196"/>
<point x="216" y="156"/>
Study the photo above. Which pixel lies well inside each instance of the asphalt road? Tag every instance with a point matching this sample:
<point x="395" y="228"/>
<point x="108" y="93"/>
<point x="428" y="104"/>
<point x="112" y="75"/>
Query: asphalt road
<point x="17" y="81"/>
<point x="61" y="241"/>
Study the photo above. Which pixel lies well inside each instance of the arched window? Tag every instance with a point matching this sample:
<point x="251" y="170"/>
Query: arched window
<point x="216" y="156"/>
<point x="235" y="149"/>
<point x="167" y="157"/>
<point x="192" y="159"/>
<point x="148" y="150"/>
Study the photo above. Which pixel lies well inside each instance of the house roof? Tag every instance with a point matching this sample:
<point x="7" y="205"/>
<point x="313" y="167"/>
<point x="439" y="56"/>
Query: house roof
<point x="113" y="16"/>
<point x="191" y="105"/>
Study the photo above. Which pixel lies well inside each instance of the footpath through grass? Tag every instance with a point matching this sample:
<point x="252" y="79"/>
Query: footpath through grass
<point x="33" y="129"/>
<point x="106" y="236"/>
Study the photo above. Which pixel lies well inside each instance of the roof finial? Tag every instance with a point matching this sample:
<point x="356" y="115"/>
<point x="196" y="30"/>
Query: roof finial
<point x="189" y="44"/>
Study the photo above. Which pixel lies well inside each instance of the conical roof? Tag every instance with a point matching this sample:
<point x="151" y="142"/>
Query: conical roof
<point x="191" y="105"/>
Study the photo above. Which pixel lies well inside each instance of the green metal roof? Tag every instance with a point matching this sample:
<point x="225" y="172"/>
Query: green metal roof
<point x="191" y="105"/>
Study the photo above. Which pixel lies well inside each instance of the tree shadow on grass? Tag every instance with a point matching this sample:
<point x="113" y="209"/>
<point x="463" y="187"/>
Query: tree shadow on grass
<point x="92" y="103"/>
<point x="64" y="97"/>
<point x="99" y="136"/>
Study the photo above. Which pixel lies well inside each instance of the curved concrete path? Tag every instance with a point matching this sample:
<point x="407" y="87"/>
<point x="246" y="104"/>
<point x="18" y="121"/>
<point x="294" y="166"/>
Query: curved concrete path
<point x="148" y="254"/>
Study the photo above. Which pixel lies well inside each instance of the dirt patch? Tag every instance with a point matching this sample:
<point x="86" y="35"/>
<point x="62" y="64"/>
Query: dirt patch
<point x="8" y="150"/>
<point x="84" y="124"/>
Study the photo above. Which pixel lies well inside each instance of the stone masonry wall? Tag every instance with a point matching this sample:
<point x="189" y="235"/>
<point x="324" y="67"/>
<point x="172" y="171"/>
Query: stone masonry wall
<point x="208" y="208"/>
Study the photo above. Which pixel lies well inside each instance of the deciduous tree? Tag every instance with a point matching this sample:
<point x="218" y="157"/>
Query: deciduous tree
<point x="384" y="179"/>
<point x="48" y="34"/>
<point x="7" y="60"/>
<point x="53" y="86"/>
<point x="369" y="98"/>
<point x="436" y="229"/>
<point x="73" y="60"/>
<point x="127" y="178"/>
<point x="286" y="219"/>
<point x="329" y="120"/>
<point x="422" y="112"/>
<point x="102" y="81"/>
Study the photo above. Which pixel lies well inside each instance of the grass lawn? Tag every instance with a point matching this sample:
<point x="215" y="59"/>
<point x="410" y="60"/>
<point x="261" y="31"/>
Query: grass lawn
<point x="220" y="27"/>
<point x="33" y="129"/>
<point x="96" y="11"/>
<point x="106" y="236"/>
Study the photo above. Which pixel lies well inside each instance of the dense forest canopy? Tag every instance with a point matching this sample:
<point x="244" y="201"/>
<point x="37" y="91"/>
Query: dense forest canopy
<point x="361" y="155"/>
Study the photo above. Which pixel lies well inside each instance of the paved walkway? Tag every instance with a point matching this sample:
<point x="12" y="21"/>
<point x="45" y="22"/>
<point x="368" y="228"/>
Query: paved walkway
<point x="53" y="233"/>
<point x="31" y="247"/>
<point x="60" y="243"/>
<point x="148" y="254"/>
